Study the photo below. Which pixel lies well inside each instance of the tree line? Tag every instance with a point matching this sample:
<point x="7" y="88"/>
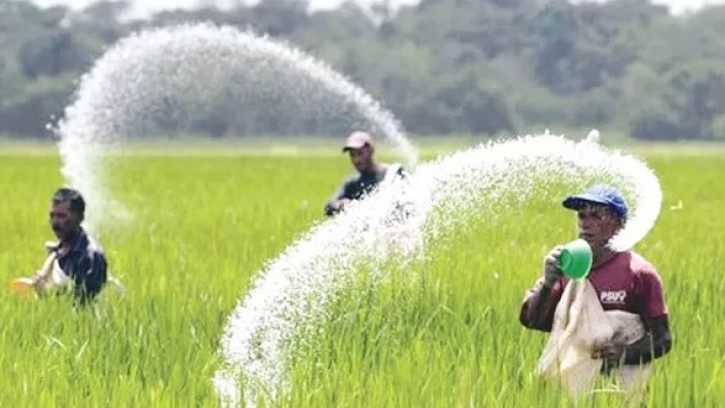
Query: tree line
<point x="443" y="66"/>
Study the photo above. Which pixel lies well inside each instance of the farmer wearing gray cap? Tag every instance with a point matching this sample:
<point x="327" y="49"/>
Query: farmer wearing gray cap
<point x="622" y="280"/>
<point x="360" y="147"/>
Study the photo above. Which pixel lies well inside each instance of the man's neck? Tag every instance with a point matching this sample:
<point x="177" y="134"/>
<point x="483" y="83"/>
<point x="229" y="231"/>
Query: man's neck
<point x="602" y="255"/>
<point x="374" y="169"/>
<point x="67" y="243"/>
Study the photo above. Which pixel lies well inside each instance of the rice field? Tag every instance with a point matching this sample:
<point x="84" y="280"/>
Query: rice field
<point x="440" y="332"/>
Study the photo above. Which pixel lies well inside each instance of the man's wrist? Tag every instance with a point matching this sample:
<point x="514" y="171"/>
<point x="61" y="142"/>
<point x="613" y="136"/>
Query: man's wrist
<point x="546" y="287"/>
<point x="549" y="281"/>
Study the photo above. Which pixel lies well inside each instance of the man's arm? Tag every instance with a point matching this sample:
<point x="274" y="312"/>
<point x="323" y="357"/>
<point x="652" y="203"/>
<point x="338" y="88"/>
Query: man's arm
<point x="43" y="275"/>
<point x="656" y="343"/>
<point x="539" y="306"/>
<point x="537" y="311"/>
<point x="91" y="277"/>
<point x="336" y="203"/>
<point x="658" y="340"/>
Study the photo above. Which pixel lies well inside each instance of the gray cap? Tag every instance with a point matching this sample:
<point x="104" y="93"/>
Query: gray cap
<point x="356" y="140"/>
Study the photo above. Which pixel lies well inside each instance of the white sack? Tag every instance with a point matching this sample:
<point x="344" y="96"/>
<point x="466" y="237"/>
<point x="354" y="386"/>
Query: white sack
<point x="580" y="323"/>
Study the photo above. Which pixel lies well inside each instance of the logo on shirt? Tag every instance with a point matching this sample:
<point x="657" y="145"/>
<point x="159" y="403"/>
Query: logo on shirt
<point x="613" y="297"/>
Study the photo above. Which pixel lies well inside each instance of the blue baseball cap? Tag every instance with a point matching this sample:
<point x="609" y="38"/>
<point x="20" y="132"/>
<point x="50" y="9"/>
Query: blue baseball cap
<point x="599" y="194"/>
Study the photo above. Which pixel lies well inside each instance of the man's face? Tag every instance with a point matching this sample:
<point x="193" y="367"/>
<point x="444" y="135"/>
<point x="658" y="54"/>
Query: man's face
<point x="63" y="222"/>
<point x="597" y="224"/>
<point x="361" y="158"/>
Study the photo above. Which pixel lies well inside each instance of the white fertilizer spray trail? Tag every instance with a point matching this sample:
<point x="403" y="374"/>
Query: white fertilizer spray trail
<point x="170" y="73"/>
<point x="293" y="290"/>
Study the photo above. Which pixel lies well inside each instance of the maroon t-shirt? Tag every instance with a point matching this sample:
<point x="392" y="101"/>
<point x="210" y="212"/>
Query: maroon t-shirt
<point x="626" y="282"/>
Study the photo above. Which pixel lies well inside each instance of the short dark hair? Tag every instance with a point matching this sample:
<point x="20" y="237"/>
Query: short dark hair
<point x="74" y="198"/>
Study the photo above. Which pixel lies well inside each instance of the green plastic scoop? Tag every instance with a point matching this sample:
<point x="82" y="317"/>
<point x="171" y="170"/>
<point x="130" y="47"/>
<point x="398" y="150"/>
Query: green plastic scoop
<point x="575" y="259"/>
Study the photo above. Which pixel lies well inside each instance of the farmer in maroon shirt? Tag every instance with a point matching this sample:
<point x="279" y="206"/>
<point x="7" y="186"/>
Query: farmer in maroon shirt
<point x="622" y="280"/>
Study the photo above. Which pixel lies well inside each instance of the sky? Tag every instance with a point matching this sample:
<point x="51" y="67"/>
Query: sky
<point x="147" y="7"/>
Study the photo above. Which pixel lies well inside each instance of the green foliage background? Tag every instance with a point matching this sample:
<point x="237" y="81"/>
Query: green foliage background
<point x="480" y="67"/>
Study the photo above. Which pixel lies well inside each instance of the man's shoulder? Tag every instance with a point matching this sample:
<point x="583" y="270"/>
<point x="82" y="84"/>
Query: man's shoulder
<point x="351" y="179"/>
<point x="396" y="169"/>
<point x="93" y="247"/>
<point x="640" y="266"/>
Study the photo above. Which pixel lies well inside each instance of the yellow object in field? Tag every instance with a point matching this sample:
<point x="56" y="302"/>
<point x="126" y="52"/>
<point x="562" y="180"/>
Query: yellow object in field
<point x="22" y="286"/>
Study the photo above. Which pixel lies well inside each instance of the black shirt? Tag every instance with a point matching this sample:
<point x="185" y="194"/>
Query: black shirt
<point x="357" y="186"/>
<point x="85" y="264"/>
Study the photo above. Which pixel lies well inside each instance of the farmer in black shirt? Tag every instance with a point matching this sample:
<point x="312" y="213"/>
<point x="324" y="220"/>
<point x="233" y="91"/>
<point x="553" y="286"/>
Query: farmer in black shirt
<point x="80" y="258"/>
<point x="359" y="145"/>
